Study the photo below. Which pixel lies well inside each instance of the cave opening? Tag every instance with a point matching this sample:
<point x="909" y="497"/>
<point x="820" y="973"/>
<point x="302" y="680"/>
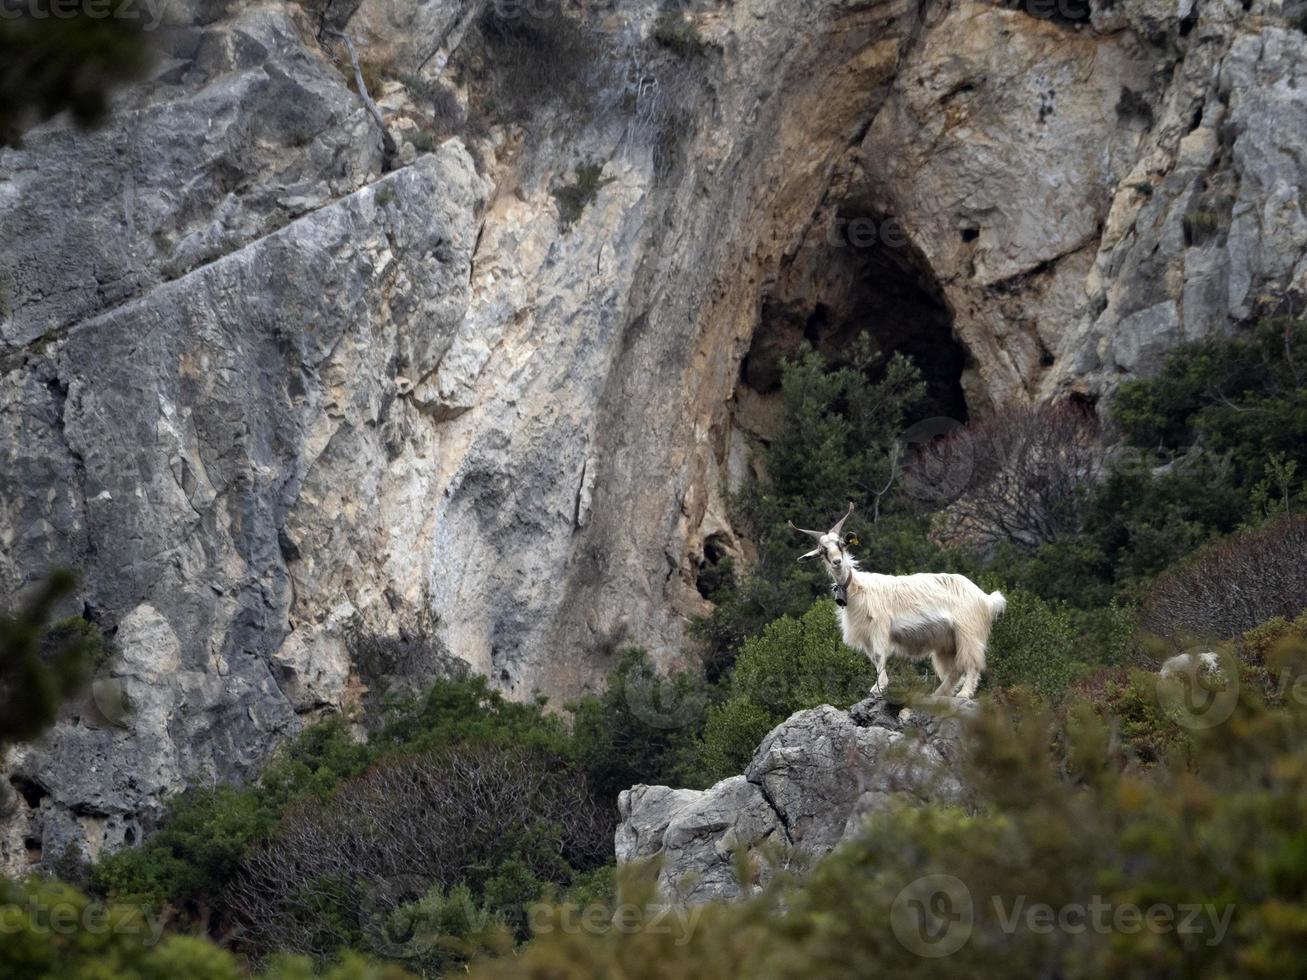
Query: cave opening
<point x="861" y="274"/>
<point x="29" y="789"/>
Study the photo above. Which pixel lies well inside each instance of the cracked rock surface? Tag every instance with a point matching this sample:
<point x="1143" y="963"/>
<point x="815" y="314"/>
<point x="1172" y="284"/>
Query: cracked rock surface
<point x="266" y="398"/>
<point x="811" y="784"/>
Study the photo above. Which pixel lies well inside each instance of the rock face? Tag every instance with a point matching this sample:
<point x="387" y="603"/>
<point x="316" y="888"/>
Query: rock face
<point x="812" y="784"/>
<point x="269" y="399"/>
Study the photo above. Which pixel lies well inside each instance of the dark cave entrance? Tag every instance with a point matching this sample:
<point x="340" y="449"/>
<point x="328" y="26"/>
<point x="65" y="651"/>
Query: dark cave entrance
<point x="860" y="274"/>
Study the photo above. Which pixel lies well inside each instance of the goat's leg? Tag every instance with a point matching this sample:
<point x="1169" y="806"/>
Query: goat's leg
<point x="949" y="684"/>
<point x="971" y="660"/>
<point x="948" y="672"/>
<point x="878" y="659"/>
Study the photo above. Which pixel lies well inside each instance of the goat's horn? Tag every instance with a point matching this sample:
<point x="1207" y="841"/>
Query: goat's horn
<point x="840" y="526"/>
<point x="814" y="534"/>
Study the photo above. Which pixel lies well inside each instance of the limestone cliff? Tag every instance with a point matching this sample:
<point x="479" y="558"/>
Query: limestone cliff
<point x="273" y="387"/>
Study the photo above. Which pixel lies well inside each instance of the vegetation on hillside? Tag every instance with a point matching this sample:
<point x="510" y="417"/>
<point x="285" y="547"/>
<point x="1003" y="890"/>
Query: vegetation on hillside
<point x="431" y="844"/>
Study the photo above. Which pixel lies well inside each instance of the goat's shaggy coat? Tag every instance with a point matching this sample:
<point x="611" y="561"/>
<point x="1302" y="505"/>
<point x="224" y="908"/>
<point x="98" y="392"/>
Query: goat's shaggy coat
<point x="945" y="618"/>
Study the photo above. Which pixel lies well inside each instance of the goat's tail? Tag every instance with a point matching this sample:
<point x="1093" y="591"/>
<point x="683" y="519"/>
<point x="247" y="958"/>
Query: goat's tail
<point x="997" y="605"/>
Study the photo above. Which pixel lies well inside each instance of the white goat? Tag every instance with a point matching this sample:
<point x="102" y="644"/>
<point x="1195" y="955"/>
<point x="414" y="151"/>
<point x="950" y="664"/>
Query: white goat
<point x="941" y="616"/>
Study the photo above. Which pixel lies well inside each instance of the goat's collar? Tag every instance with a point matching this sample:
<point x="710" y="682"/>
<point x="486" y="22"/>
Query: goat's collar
<point x="841" y="586"/>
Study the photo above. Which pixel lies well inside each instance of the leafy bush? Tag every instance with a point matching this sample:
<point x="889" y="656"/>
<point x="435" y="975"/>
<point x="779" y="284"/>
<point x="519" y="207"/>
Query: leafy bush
<point x="640" y="729"/>
<point x="1082" y="829"/>
<point x="835" y="445"/>
<point x="190" y="859"/>
<point x="1244" y="397"/>
<point x="794" y="664"/>
<point x="54" y="931"/>
<point x="1034" y="645"/>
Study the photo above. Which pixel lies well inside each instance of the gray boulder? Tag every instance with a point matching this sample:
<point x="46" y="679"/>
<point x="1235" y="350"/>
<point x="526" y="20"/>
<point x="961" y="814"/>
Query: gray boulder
<point x="812" y="784"/>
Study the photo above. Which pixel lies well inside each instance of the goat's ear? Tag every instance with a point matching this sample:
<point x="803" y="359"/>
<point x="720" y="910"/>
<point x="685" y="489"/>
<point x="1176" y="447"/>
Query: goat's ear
<point x="815" y="552"/>
<point x="851" y="540"/>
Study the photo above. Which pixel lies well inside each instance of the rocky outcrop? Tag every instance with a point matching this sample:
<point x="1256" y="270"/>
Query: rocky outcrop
<point x="268" y="398"/>
<point x="812" y="784"/>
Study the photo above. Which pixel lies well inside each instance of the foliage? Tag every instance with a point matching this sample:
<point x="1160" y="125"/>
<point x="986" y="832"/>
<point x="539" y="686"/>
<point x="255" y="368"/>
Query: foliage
<point x="638" y="730"/>
<point x="1033" y="645"/>
<point x="836" y="444"/>
<point x="54" y="932"/>
<point x="1235" y="584"/>
<point x="1244" y="398"/>
<point x="1083" y="830"/>
<point x="41" y="664"/>
<point x="1261" y="643"/>
<point x="794" y="664"/>
<point x="194" y="853"/>
<point x="206" y="831"/>
<point x="66" y="62"/>
<point x="499" y="822"/>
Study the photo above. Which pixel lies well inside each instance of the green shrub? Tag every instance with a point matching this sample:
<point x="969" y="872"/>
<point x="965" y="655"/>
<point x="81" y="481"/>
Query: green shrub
<point x="500" y="821"/>
<point x="794" y="664"/>
<point x="734" y="730"/>
<point x="840" y="423"/>
<point x="641" y="729"/>
<point x="1075" y="829"/>
<point x="1242" y="397"/>
<point x="1034" y="645"/>
<point x="54" y="931"/>
<point x="191" y="858"/>
<point x="193" y="853"/>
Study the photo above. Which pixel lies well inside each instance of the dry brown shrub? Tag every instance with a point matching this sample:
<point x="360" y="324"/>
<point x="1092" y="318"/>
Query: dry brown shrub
<point x="1235" y="585"/>
<point x="337" y="866"/>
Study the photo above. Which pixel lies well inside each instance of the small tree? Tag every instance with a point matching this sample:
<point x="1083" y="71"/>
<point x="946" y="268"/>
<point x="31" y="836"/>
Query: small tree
<point x="1034" y="471"/>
